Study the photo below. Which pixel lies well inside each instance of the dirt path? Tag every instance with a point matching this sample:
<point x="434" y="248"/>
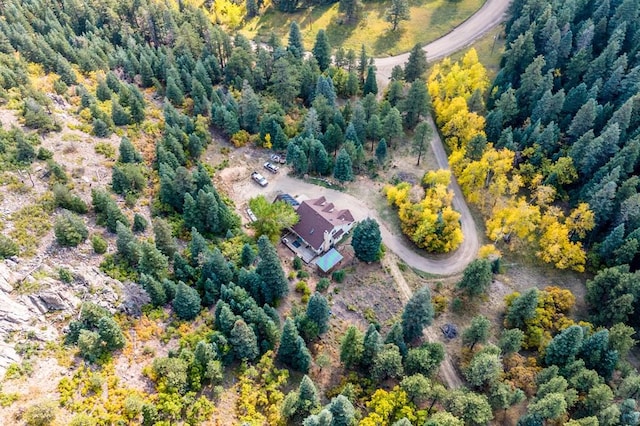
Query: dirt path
<point x="447" y="371"/>
<point x="490" y="14"/>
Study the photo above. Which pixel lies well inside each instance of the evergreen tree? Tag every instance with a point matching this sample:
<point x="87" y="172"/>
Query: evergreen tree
<point x="119" y="115"/>
<point x="152" y="262"/>
<point x="292" y="350"/>
<point x="173" y="92"/>
<point x="103" y="92"/>
<point x="372" y="346"/>
<point x="249" y="108"/>
<point x="351" y="348"/>
<point x="522" y="309"/>
<point x="186" y="304"/>
<point x="252" y="8"/>
<point x="421" y="138"/>
<point x="396" y="337"/>
<point x="126" y="243"/>
<point x="564" y="347"/>
<point x="381" y="151"/>
<point x="285" y="85"/>
<point x="154" y="289"/>
<point x="417" y="314"/>
<point x="163" y="237"/>
<point x="366" y="240"/>
<point x="350" y="9"/>
<point x="416" y="104"/>
<point x="343" y="170"/>
<point x="399" y="11"/>
<point x="392" y="126"/>
<point x="270" y="270"/>
<point x="139" y="223"/>
<point x="322" y="50"/>
<point x="128" y="153"/>
<point x="318" y="312"/>
<point x="477" y="332"/>
<point x="295" y="41"/>
<point x="100" y="128"/>
<point x="370" y="84"/>
<point x="416" y="65"/>
<point x="308" y="399"/>
<point x="476" y="278"/>
<point x="247" y="256"/>
<point x="342" y="411"/>
<point x="146" y="72"/>
<point x="243" y="341"/>
<point x="387" y="364"/>
<point x="424" y="360"/>
<point x="511" y="341"/>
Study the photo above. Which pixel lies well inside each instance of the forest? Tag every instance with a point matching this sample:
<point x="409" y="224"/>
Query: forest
<point x="547" y="153"/>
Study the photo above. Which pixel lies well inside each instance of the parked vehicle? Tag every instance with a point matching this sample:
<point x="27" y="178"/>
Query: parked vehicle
<point x="252" y="216"/>
<point x="279" y="158"/>
<point x="261" y="180"/>
<point x="271" y="167"/>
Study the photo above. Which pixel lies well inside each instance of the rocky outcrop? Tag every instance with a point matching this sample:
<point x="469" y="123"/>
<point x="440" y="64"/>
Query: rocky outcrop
<point x="39" y="313"/>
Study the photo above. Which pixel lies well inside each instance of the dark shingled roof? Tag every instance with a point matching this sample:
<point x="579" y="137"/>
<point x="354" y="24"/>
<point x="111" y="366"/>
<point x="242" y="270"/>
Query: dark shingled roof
<point x="317" y="217"/>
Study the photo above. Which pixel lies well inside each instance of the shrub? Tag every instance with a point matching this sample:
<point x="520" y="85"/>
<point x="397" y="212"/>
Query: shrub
<point x="339" y="275"/>
<point x="139" y="223"/>
<point x="302" y="274"/>
<point x="457" y="305"/>
<point x="40" y="414"/>
<point x="65" y="275"/>
<point x="323" y="285"/>
<point x="70" y="230"/>
<point x="106" y="149"/>
<point x="100" y="128"/>
<point x="297" y="263"/>
<point x="240" y="138"/>
<point x="44" y="154"/>
<point x="65" y="199"/>
<point x="8" y="247"/>
<point x="99" y="244"/>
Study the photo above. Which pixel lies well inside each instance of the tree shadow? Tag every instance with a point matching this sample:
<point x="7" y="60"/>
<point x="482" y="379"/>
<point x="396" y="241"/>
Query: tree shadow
<point x="339" y="30"/>
<point x="444" y="14"/>
<point x="387" y="41"/>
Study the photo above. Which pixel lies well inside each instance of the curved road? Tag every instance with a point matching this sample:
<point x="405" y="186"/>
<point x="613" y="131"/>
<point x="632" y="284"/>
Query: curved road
<point x="490" y="14"/>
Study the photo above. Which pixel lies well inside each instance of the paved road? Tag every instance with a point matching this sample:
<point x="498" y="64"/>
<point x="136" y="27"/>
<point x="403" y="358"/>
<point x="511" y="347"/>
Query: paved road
<point x="490" y="14"/>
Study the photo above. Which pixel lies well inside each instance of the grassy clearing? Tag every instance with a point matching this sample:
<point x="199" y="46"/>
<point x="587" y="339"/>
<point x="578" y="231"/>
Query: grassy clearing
<point x="430" y="19"/>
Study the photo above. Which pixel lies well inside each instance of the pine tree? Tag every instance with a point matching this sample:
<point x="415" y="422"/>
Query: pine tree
<point x="370" y="84"/>
<point x="416" y="65"/>
<point x="318" y="312"/>
<point x="247" y="256"/>
<point x="564" y="347"/>
<point x="351" y="348"/>
<point x="342" y="411"/>
<point x="308" y="399"/>
<point x="343" y="170"/>
<point x="372" y="346"/>
<point x="270" y="270"/>
<point x="243" y="341"/>
<point x="295" y="41"/>
<point x="285" y="85"/>
<point x="249" y="108"/>
<point x="478" y="331"/>
<point x="522" y="309"/>
<point x="476" y="278"/>
<point x="154" y="289"/>
<point x="381" y="151"/>
<point x="103" y="92"/>
<point x="126" y="243"/>
<point x="417" y="314"/>
<point x="152" y="262"/>
<point x="128" y="153"/>
<point x="399" y="11"/>
<point x="366" y="240"/>
<point x="163" y="237"/>
<point x="392" y="126"/>
<point x="292" y="350"/>
<point x="146" y="72"/>
<point x="119" y="115"/>
<point x="186" y="304"/>
<point x="322" y="50"/>
<point x="252" y="8"/>
<point x="350" y="9"/>
<point x="396" y="337"/>
<point x="173" y="92"/>
<point x="139" y="223"/>
<point x="416" y="104"/>
<point x="421" y="138"/>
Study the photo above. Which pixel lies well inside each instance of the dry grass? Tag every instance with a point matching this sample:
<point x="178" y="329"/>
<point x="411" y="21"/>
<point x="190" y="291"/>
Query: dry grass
<point x="430" y="19"/>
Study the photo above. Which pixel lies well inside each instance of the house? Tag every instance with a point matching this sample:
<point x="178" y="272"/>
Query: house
<point x="321" y="225"/>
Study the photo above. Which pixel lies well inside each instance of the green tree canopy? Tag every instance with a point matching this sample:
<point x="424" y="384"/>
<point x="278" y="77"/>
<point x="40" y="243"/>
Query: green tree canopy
<point x="272" y="218"/>
<point x="366" y="240"/>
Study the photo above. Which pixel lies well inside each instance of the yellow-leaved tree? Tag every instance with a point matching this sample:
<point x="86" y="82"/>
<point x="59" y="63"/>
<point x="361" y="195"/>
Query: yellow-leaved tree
<point x="430" y="223"/>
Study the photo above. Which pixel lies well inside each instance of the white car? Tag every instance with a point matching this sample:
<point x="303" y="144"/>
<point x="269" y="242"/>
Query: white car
<point x="259" y="179"/>
<point x="271" y="167"/>
<point x="252" y="216"/>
